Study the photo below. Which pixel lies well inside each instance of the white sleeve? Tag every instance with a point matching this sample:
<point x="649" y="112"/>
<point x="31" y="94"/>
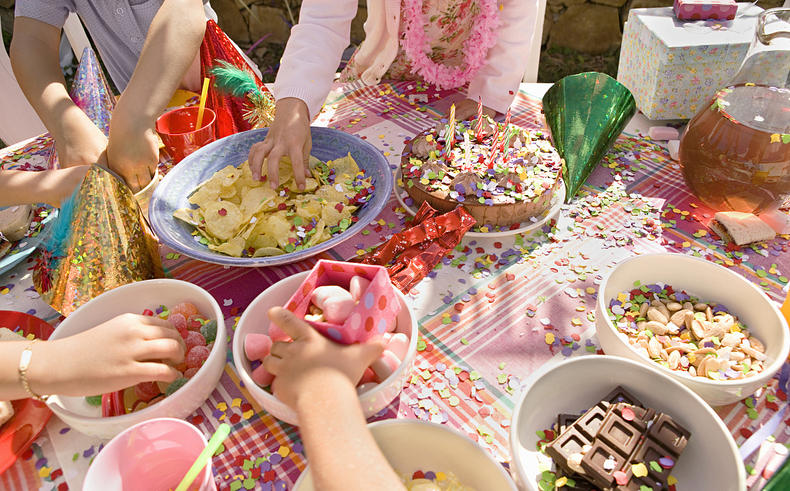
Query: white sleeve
<point x="312" y="55"/>
<point x="496" y="83"/>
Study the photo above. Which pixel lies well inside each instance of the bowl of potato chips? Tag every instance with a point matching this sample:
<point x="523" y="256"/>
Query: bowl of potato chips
<point x="208" y="207"/>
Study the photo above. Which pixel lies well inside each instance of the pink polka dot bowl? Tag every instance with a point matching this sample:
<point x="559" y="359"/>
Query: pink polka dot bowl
<point x="255" y="320"/>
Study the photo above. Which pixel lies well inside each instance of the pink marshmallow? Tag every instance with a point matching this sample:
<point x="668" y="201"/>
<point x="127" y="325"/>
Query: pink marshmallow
<point x="663" y="133"/>
<point x="334" y="301"/>
<point x="361" y="389"/>
<point x="261" y="376"/>
<point x="398" y="343"/>
<point x="358" y="286"/>
<point x="385" y="365"/>
<point x="257" y="346"/>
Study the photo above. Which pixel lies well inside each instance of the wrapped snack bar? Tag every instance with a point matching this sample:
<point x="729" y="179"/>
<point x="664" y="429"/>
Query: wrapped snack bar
<point x="373" y="314"/>
<point x="412" y="253"/>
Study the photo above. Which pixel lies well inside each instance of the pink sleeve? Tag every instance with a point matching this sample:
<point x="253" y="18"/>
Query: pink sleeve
<point x="497" y="81"/>
<point x="312" y="55"/>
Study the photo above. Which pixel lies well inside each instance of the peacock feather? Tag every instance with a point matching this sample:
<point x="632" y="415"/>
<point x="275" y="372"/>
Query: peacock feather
<point x="239" y="83"/>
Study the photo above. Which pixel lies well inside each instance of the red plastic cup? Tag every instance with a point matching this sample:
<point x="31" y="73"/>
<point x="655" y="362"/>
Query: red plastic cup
<point x="178" y="132"/>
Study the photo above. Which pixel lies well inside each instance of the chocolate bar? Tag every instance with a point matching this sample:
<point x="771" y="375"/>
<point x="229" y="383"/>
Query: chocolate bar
<point x="634" y="447"/>
<point x="619" y="444"/>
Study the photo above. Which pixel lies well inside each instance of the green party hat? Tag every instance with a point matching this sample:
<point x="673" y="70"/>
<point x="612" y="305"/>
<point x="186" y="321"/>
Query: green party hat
<point x="585" y="113"/>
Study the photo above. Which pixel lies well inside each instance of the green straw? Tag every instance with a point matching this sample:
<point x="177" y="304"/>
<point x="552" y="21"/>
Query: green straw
<point x="216" y="440"/>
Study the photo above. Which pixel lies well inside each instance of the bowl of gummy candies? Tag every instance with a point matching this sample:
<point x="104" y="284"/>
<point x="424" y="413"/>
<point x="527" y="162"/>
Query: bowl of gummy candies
<point x="706" y="326"/>
<point x="346" y="308"/>
<point x="432" y="457"/>
<point x="199" y="321"/>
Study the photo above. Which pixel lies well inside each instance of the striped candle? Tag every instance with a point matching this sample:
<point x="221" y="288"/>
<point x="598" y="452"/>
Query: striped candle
<point x="479" y="125"/>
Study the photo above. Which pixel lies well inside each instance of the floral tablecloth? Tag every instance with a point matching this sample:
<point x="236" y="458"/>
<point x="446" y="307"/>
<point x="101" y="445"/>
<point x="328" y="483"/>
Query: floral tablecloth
<point x="471" y="363"/>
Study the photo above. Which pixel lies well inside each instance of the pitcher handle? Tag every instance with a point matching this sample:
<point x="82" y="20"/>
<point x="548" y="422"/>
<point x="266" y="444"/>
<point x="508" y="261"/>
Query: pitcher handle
<point x="782" y="13"/>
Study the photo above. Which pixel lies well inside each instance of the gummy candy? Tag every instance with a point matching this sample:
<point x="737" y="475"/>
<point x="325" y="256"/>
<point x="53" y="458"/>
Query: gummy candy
<point x="145" y="391"/>
<point x="197" y="356"/>
<point x="194" y="339"/>
<point x="175" y="385"/>
<point x="209" y="331"/>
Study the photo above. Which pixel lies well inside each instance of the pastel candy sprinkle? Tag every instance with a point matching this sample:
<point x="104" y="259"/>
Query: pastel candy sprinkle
<point x="671" y="480"/>
<point x="654" y="465"/>
<point x="628" y="414"/>
<point x="620" y="477"/>
<point x="639" y="470"/>
<point x="666" y="462"/>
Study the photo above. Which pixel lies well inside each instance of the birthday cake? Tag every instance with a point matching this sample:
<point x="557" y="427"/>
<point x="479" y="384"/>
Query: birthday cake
<point x="502" y="174"/>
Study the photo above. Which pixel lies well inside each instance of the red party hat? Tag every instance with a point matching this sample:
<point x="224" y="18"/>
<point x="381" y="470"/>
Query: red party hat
<point x="230" y="110"/>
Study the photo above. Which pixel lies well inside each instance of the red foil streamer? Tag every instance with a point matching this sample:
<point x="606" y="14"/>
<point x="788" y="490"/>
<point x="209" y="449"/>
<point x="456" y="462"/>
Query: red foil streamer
<point x="230" y="110"/>
<point x="412" y="253"/>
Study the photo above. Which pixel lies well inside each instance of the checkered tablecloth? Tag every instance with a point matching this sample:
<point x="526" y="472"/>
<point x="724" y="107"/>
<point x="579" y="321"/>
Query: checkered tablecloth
<point x="471" y="363"/>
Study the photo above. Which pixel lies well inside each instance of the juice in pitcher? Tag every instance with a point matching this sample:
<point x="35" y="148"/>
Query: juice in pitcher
<point x="735" y="152"/>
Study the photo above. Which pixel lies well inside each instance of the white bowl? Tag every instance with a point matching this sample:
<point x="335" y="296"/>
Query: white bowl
<point x="709" y="282"/>
<point x="134" y="298"/>
<point x="411" y="445"/>
<point x="256" y="319"/>
<point x="709" y="461"/>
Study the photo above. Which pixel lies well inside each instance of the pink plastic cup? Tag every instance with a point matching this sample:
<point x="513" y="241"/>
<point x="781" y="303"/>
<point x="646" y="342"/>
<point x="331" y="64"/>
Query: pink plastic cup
<point x="150" y="456"/>
<point x="178" y="132"/>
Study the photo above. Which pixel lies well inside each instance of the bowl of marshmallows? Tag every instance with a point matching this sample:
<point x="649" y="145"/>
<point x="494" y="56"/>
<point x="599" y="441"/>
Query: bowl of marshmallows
<point x="347" y="303"/>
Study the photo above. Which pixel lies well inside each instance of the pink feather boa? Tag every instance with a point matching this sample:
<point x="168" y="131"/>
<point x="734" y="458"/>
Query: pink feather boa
<point x="476" y="46"/>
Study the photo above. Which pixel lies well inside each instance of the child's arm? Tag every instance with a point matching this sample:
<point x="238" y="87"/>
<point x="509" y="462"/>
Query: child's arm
<point x="498" y="80"/>
<point x="170" y="47"/>
<point x="34" y="57"/>
<point x="316" y="377"/>
<point x="50" y="186"/>
<point x="307" y="70"/>
<point x="119" y="353"/>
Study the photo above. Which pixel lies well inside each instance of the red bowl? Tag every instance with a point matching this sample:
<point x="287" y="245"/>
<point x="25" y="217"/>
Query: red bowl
<point x="30" y="416"/>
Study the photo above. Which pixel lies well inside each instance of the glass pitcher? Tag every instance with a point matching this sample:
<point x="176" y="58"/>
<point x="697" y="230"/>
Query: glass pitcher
<point x="735" y="152"/>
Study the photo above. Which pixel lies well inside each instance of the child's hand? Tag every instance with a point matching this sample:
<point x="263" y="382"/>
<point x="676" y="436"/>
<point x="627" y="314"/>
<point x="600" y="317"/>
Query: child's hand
<point x="289" y="136"/>
<point x="119" y="353"/>
<point x="133" y="154"/>
<point x="310" y="357"/>
<point x="59" y="184"/>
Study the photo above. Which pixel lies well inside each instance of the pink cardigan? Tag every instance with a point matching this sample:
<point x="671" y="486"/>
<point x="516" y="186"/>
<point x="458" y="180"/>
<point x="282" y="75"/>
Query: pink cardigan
<point x="313" y="52"/>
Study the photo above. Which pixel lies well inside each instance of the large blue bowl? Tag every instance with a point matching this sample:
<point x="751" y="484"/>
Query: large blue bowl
<point x="178" y="184"/>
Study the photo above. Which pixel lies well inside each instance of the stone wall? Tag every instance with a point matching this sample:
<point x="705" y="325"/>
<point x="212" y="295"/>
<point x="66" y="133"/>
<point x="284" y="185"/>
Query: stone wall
<point x="590" y="27"/>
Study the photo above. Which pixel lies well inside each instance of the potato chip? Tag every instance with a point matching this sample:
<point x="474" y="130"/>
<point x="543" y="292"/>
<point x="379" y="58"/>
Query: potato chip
<point x="222" y="218"/>
<point x="234" y="247"/>
<point x="239" y="216"/>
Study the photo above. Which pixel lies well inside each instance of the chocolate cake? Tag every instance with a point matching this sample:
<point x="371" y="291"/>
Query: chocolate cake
<point x="502" y="174"/>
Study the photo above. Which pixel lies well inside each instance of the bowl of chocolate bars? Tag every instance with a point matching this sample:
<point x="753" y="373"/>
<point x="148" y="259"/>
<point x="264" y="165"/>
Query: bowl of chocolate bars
<point x="604" y="422"/>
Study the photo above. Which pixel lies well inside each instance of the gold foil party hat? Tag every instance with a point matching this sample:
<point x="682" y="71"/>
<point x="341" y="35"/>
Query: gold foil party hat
<point x="98" y="242"/>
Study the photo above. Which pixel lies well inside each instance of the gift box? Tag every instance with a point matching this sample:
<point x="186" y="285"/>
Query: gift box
<point x="705" y="9"/>
<point x="376" y="310"/>
<point x="674" y="67"/>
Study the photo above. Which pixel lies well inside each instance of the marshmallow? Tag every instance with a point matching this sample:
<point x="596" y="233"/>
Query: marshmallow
<point x="261" y="376"/>
<point x="257" y="346"/>
<point x="663" y="133"/>
<point x="674" y="149"/>
<point x="398" y="343"/>
<point x="335" y="302"/>
<point x="358" y="286"/>
<point x="385" y="365"/>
